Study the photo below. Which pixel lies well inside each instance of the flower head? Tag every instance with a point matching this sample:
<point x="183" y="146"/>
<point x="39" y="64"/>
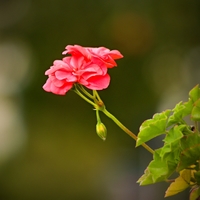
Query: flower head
<point x="64" y="73"/>
<point x="86" y="66"/>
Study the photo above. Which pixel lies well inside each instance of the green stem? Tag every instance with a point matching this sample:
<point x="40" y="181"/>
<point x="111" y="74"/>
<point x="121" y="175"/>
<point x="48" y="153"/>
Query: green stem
<point x="98" y="117"/>
<point x="85" y="91"/>
<point x="95" y="93"/>
<point x="126" y="130"/>
<point x="99" y="106"/>
<point x="85" y="98"/>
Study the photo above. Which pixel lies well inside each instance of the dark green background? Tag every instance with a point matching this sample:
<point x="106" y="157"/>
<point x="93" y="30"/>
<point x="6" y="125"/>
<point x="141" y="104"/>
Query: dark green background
<point x="62" y="157"/>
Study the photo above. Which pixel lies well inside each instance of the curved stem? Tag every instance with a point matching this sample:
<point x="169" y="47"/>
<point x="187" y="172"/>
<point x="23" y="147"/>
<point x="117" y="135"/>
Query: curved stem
<point x="126" y="130"/>
<point x="85" y="98"/>
<point x="85" y="91"/>
<point x="99" y="106"/>
<point x="95" y="93"/>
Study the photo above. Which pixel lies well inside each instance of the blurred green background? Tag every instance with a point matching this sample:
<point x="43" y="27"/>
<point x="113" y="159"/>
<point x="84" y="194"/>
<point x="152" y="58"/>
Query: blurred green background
<point x="49" y="149"/>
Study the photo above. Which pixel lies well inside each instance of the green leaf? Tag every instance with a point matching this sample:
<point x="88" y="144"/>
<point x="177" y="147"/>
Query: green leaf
<point x="181" y="148"/>
<point x="197" y="177"/>
<point x="180" y="183"/>
<point x="195" y="193"/>
<point x="165" y="159"/>
<point x="181" y="110"/>
<point x="194" y="94"/>
<point x="195" y="115"/>
<point x="158" y="169"/>
<point x="174" y="134"/>
<point x="172" y="143"/>
<point x="153" y="127"/>
<point x="190" y="150"/>
<point x="146" y="178"/>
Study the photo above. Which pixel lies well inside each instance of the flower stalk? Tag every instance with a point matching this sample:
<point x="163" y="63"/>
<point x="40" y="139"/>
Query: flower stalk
<point x="99" y="106"/>
<point x="126" y="130"/>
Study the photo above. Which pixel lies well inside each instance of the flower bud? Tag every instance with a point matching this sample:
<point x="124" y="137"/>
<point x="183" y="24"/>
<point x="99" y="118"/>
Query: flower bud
<point x="101" y="130"/>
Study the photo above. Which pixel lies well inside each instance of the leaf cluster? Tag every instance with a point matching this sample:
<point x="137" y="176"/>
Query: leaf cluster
<point x="180" y="153"/>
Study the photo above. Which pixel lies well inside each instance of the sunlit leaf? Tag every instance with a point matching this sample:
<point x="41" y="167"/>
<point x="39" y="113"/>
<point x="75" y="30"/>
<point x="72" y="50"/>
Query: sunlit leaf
<point x="195" y="115"/>
<point x="153" y="127"/>
<point x="146" y="178"/>
<point x="194" y="94"/>
<point x="158" y="169"/>
<point x="183" y="109"/>
<point x="197" y="177"/>
<point x="174" y="134"/>
<point x="171" y="147"/>
<point x="179" y="112"/>
<point x="190" y="150"/>
<point x="195" y="193"/>
<point x="180" y="183"/>
<point x="181" y="148"/>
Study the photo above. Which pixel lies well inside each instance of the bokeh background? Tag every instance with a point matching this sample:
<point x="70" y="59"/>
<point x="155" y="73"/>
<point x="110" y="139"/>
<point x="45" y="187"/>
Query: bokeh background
<point x="49" y="149"/>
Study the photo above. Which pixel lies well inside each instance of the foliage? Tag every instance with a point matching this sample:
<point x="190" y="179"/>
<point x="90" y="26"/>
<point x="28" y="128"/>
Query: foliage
<point x="88" y="67"/>
<point x="180" y="152"/>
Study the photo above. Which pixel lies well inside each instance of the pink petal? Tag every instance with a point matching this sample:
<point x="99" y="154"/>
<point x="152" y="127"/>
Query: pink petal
<point x="101" y="64"/>
<point x="76" y="62"/>
<point x="76" y="50"/>
<point x="57" y="64"/>
<point x="96" y="82"/>
<point x="63" y="75"/>
<point x="56" y="82"/>
<point x="98" y="51"/>
<point x="115" y="54"/>
<point x="49" y="86"/>
<point x="94" y="68"/>
<point x="61" y="90"/>
<point x="106" y="55"/>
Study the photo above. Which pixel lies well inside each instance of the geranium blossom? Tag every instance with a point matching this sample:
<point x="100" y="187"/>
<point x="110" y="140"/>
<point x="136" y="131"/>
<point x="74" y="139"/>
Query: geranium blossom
<point x="64" y="73"/>
<point x="86" y="66"/>
<point x="102" y="53"/>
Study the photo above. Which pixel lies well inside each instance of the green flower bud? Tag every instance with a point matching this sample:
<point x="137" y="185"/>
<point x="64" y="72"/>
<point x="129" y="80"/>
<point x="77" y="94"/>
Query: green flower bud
<point x="101" y="130"/>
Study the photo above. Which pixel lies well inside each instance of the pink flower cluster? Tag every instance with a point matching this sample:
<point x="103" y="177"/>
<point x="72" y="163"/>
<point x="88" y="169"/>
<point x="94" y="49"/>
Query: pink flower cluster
<point x="86" y="66"/>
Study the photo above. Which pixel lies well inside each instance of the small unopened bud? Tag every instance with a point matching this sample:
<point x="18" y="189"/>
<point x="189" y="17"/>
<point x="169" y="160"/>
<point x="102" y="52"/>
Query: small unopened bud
<point x="101" y="130"/>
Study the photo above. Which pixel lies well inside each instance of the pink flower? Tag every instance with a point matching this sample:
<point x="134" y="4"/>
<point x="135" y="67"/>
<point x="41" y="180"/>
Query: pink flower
<point x="86" y="66"/>
<point x="76" y="69"/>
<point x="101" y="53"/>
